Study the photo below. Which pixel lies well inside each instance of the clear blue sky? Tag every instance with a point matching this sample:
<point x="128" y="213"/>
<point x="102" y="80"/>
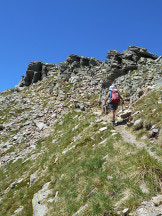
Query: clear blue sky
<point x="50" y="30"/>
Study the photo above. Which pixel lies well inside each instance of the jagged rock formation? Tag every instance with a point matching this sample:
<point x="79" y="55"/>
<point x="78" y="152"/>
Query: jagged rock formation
<point x="36" y="71"/>
<point x="52" y="135"/>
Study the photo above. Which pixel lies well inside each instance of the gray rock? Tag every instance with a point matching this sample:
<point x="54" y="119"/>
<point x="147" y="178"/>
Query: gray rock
<point x="84" y="61"/>
<point x="74" y="79"/>
<point x="1" y="127"/>
<point x="138" y="124"/>
<point x="157" y="200"/>
<point x="36" y="77"/>
<point x="81" y="106"/>
<point x="112" y="53"/>
<point x="39" y="207"/>
<point x="126" y="114"/>
<point x="41" y="125"/>
<point x="153" y="133"/>
<point x="33" y="177"/>
<point x="82" y="208"/>
<point x="36" y="71"/>
<point x="142" y="52"/>
<point x="94" y="62"/>
<point x="17" y="211"/>
<point x="73" y="58"/>
<point x="144" y="188"/>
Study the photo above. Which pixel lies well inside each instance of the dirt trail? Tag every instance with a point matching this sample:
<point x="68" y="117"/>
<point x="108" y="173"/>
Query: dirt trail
<point x="127" y="135"/>
<point x="131" y="138"/>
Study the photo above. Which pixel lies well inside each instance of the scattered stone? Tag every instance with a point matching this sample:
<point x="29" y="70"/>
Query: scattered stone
<point x="103" y="142"/>
<point x="17" y="211"/>
<point x="114" y="134"/>
<point x="144" y="188"/>
<point x="157" y="200"/>
<point x="56" y="197"/>
<point x="33" y="177"/>
<point x="126" y="114"/>
<point x="130" y="124"/>
<point x="81" y="106"/>
<point x="138" y="124"/>
<point x="82" y="208"/>
<point x="125" y="211"/>
<point x="153" y="133"/>
<point x="41" y="125"/>
<point x="143" y="137"/>
<point x="103" y="129"/>
<point x="109" y="177"/>
<point x="1" y="128"/>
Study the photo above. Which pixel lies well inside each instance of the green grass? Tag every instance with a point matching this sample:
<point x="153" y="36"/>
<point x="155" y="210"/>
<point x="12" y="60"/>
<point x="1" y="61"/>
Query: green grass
<point x="81" y="174"/>
<point x="106" y="177"/>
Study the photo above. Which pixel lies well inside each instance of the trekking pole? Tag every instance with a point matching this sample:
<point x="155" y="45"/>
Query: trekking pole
<point x="122" y="106"/>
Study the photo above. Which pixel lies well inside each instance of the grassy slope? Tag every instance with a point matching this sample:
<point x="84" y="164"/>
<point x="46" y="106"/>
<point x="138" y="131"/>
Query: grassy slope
<point x="150" y="111"/>
<point x="83" y="175"/>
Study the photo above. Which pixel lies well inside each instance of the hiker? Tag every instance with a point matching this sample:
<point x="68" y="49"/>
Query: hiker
<point x="114" y="100"/>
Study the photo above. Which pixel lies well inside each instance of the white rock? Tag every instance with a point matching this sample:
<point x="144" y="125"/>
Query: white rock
<point x="68" y="149"/>
<point x="114" y="134"/>
<point x="103" y="142"/>
<point x="157" y="200"/>
<point x="144" y="188"/>
<point x="104" y="123"/>
<point x="135" y="113"/>
<point x="138" y="121"/>
<point x="82" y="208"/>
<point x="125" y="210"/>
<point x="103" y="129"/>
<point x="105" y="157"/>
<point x="109" y="177"/>
<point x="41" y="125"/>
<point x="39" y="208"/>
<point x="17" y="211"/>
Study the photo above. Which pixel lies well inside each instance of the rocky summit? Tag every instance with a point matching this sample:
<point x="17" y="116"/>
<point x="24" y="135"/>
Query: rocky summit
<point x="60" y="153"/>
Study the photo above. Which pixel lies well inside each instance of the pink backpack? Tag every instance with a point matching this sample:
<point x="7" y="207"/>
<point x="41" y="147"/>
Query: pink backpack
<point x="115" y="96"/>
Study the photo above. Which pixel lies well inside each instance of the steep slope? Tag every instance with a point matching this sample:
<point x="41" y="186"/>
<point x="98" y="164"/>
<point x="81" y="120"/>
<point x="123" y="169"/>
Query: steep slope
<point x="61" y="156"/>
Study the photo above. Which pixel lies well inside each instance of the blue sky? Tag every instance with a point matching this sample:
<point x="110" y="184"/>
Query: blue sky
<point x="50" y="30"/>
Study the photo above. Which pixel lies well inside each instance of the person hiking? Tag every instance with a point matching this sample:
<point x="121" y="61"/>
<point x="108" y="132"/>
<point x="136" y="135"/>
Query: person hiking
<point x="114" y="100"/>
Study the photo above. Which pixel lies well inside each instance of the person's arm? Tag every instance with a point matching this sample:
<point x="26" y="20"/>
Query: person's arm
<point x="106" y="99"/>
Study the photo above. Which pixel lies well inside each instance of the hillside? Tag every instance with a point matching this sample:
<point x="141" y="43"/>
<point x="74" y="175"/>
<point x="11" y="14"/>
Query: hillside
<point x="60" y="154"/>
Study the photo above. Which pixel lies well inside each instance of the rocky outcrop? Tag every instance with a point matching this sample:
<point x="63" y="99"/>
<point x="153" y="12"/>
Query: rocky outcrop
<point x="36" y="71"/>
<point x="121" y="63"/>
<point x="74" y="66"/>
<point x="118" y="64"/>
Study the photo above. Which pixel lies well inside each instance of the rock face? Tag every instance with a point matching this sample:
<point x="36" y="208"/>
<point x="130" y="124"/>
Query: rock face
<point x="36" y="71"/>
